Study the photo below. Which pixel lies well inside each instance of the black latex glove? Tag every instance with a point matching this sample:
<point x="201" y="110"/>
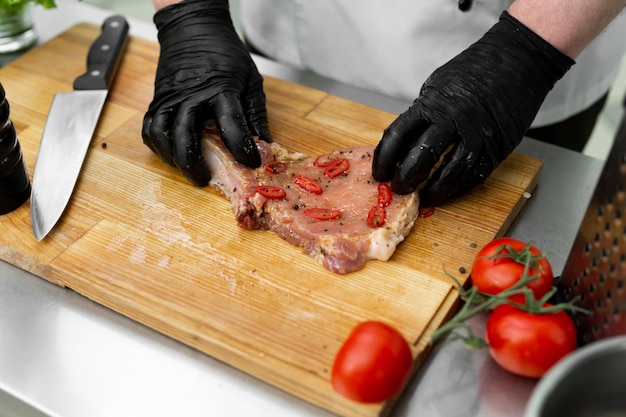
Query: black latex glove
<point x="204" y="73"/>
<point x="471" y="114"/>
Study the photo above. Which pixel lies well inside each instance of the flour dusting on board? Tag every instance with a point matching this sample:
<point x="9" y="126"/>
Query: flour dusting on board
<point x="116" y="243"/>
<point x="138" y="255"/>
<point x="165" y="223"/>
<point x="164" y="261"/>
<point x="230" y="281"/>
<point x="160" y="221"/>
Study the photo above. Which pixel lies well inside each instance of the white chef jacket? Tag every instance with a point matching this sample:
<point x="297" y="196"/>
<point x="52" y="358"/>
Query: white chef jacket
<point x="392" y="46"/>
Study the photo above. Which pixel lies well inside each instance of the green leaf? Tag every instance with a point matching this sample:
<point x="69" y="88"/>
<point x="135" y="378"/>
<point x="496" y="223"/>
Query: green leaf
<point x="14" y="5"/>
<point x="47" y="4"/>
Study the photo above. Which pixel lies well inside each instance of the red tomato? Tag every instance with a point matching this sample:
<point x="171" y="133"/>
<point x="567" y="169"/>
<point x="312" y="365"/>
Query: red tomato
<point x="308" y="184"/>
<point x="270" y="191"/>
<point x="384" y="194"/>
<point x="336" y="167"/>
<point x="372" y="364"/>
<point x="529" y="344"/>
<point x="376" y="217"/>
<point x="318" y="213"/>
<point x="492" y="276"/>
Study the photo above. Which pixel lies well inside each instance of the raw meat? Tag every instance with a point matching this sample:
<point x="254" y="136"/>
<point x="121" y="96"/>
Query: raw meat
<point x="343" y="243"/>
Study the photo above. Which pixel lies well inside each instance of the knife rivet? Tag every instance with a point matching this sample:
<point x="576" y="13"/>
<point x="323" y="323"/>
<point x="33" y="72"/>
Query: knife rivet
<point x="95" y="73"/>
<point x="105" y="47"/>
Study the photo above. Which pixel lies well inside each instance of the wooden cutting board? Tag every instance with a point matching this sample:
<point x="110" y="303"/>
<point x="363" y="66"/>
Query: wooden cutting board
<point x="139" y="239"/>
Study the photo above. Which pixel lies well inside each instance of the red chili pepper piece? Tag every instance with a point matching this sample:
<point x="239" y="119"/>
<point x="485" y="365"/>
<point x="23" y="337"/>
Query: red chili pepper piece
<point x="425" y="212"/>
<point x="336" y="167"/>
<point x="270" y="191"/>
<point x="308" y="184"/>
<point x="384" y="194"/>
<point x="323" y="160"/>
<point x="376" y="217"/>
<point x="319" y="213"/>
<point x="275" y="167"/>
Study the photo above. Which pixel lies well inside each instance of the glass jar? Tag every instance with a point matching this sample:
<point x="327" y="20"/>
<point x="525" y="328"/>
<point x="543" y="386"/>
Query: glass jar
<point x="16" y="28"/>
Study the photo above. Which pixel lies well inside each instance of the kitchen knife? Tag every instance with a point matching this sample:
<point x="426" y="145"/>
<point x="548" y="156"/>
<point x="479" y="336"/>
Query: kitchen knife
<point x="70" y="126"/>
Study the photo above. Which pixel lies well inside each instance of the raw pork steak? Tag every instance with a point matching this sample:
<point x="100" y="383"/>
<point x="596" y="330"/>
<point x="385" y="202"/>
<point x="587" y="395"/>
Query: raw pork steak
<point x="329" y="205"/>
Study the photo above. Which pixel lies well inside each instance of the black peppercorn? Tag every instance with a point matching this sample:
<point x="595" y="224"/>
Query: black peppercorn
<point x="14" y="181"/>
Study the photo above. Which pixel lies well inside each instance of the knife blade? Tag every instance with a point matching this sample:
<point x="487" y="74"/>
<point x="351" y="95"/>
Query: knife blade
<point x="70" y="125"/>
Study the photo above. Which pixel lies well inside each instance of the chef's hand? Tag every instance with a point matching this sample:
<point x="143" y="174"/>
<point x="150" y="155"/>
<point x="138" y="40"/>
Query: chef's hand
<point x="471" y="114"/>
<point x="204" y="73"/>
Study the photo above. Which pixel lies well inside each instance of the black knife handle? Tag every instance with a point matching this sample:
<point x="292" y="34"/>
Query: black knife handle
<point x="104" y="55"/>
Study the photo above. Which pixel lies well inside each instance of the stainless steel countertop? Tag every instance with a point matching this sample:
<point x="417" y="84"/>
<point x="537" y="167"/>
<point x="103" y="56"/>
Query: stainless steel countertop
<point x="63" y="355"/>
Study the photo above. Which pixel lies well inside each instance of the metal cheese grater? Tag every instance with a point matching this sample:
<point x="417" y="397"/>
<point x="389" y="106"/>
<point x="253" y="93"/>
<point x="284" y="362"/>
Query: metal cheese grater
<point x="595" y="270"/>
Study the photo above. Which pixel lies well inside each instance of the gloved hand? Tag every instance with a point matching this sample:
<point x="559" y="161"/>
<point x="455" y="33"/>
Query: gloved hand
<point x="204" y="73"/>
<point x="471" y="114"/>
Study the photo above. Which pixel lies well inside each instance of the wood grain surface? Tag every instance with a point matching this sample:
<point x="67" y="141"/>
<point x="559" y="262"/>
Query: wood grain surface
<point x="140" y="240"/>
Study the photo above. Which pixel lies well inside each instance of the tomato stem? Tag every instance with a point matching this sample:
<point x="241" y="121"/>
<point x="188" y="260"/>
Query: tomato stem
<point x="470" y="340"/>
<point x="523" y="256"/>
<point x="534" y="306"/>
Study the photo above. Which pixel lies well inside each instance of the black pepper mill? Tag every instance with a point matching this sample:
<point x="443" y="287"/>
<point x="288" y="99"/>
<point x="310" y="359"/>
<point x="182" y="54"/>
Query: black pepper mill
<point x="14" y="181"/>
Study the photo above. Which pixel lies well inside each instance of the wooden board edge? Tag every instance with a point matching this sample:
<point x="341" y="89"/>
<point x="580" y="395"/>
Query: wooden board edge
<point x="526" y="195"/>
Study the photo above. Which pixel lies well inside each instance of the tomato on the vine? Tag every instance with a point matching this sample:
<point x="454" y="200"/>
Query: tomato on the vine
<point x="496" y="268"/>
<point x="525" y="334"/>
<point x="372" y="364"/>
<point x="526" y="343"/>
